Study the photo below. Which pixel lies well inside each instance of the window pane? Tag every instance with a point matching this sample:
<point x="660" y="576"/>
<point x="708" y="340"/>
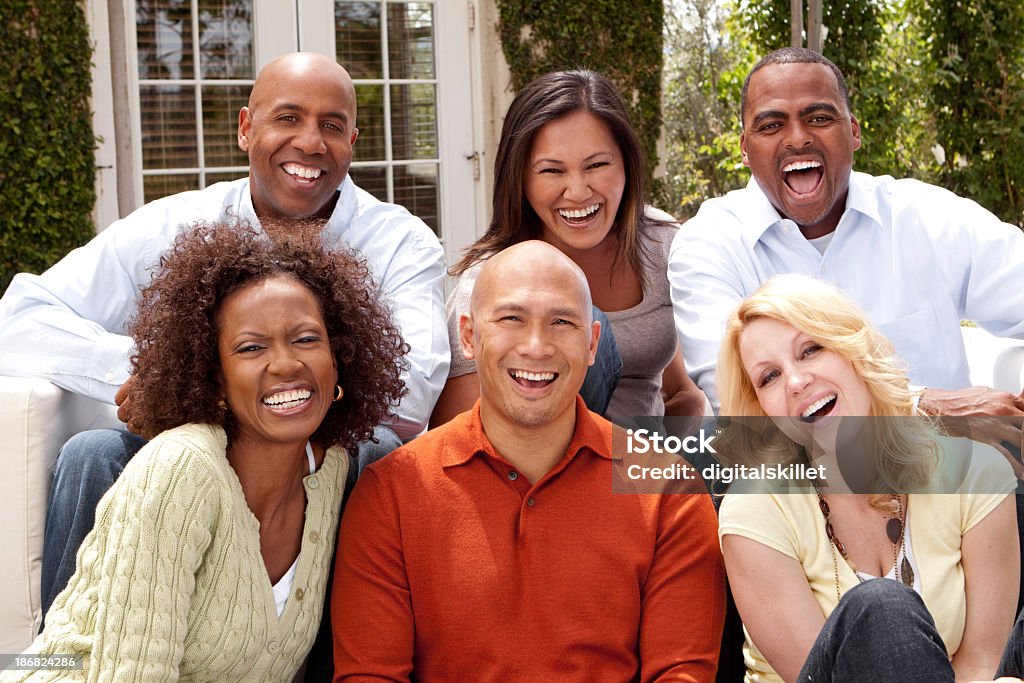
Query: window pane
<point x="164" y="30"/>
<point x="168" y="126"/>
<point x="411" y="40"/>
<point x="416" y="188"/>
<point x="373" y="179"/>
<point x="370" y="121"/>
<point x="212" y="178"/>
<point x="225" y="38"/>
<point x="220" y="125"/>
<point x="357" y="38"/>
<point x="413" y="122"/>
<point x="157" y="186"/>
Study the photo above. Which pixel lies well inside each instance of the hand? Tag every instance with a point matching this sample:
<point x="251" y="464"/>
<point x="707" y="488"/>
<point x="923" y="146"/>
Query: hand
<point x="981" y="414"/>
<point x="124" y="406"/>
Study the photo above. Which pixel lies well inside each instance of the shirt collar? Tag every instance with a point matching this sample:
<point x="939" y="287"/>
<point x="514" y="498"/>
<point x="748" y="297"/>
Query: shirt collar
<point x="341" y="217"/>
<point x="758" y="215"/>
<point x="467" y="438"/>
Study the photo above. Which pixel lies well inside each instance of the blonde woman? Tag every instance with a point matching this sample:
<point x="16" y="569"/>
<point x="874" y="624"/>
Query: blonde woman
<point x="801" y="564"/>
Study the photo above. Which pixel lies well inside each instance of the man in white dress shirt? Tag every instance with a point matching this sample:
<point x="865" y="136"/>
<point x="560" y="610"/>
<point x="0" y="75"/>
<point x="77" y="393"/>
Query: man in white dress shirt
<point x="916" y="257"/>
<point x="68" y="324"/>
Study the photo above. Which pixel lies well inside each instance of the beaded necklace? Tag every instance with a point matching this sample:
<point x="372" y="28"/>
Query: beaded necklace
<point x="894" y="529"/>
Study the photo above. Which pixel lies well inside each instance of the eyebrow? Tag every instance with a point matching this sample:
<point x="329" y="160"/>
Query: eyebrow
<point x="291" y="106"/>
<point x="559" y="161"/>
<point x="809" y="109"/>
<point x="560" y="312"/>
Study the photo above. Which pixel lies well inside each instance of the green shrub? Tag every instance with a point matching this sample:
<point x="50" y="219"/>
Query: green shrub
<point x="47" y="167"/>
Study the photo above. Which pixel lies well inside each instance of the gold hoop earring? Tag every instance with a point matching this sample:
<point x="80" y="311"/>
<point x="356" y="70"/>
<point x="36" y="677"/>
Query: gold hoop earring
<point x="338" y="392"/>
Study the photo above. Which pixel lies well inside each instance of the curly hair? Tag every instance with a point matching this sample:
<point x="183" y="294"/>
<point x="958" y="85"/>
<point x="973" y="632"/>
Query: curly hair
<point x="176" y="364"/>
<point x="905" y="448"/>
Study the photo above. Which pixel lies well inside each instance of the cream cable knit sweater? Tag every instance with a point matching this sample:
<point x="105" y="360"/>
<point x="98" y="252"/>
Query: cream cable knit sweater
<point x="170" y="583"/>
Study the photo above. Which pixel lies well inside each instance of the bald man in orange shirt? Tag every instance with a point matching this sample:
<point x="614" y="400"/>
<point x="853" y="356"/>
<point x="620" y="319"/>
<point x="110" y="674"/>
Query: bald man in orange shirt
<point x="493" y="547"/>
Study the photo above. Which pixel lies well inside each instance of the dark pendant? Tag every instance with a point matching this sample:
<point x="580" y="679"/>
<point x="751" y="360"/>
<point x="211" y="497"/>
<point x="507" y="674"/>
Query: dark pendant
<point x="894" y="529"/>
<point x="906" y="572"/>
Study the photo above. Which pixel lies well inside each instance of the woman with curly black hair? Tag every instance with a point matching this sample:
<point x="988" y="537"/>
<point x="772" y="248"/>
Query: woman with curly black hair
<point x="258" y="362"/>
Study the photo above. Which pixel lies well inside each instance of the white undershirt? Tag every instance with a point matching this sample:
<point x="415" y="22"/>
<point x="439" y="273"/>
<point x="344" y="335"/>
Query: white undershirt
<point x="283" y="588"/>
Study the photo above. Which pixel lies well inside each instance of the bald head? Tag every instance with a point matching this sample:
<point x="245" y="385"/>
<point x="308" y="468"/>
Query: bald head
<point x="298" y="130"/>
<point x="294" y="67"/>
<point x="526" y="262"/>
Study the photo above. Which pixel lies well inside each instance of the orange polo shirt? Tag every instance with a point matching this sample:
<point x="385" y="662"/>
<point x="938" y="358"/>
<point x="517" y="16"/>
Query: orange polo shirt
<point x="453" y="567"/>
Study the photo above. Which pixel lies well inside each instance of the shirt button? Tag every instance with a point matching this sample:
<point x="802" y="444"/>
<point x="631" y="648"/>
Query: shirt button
<point x="299" y="594"/>
<point x="110" y="376"/>
<point x="312" y="483"/>
<point x="273" y="646"/>
<point x="314" y="536"/>
<point x="529" y="501"/>
<point x="513" y="475"/>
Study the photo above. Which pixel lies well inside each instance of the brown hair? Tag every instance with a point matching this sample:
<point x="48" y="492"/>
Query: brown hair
<point x="548" y="98"/>
<point x="176" y="363"/>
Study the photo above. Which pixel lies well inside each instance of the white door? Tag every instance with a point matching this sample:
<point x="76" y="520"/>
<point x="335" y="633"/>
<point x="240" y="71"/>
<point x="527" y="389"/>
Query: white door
<point x="412" y="62"/>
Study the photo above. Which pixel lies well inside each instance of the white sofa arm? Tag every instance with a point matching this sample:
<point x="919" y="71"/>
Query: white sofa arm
<point x="36" y="418"/>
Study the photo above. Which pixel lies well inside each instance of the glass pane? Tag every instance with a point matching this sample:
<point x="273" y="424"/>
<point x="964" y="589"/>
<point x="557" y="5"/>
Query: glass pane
<point x="413" y="122"/>
<point x="157" y="186"/>
<point x="220" y="125"/>
<point x="164" y="37"/>
<point x="373" y="179"/>
<point x="212" y="178"/>
<point x="411" y="40"/>
<point x="357" y="38"/>
<point x="168" y="126"/>
<point x="416" y="188"/>
<point x="225" y="38"/>
<point x="370" y="121"/>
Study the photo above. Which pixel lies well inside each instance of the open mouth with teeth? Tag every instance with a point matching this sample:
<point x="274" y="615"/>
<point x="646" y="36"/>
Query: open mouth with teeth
<point x="803" y="177"/>
<point x="304" y="173"/>
<point x="819" y="409"/>
<point x="286" y="400"/>
<point x="578" y="216"/>
<point x="532" y="380"/>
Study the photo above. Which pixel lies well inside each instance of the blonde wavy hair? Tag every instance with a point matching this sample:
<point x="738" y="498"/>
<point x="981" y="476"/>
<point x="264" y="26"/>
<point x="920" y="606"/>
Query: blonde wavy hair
<point x="905" y="450"/>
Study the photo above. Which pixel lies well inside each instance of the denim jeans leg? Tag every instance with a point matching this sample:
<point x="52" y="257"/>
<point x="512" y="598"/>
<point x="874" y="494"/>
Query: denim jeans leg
<point x="603" y="376"/>
<point x="87" y="466"/>
<point x="370" y="452"/>
<point x="1012" y="663"/>
<point x="880" y="631"/>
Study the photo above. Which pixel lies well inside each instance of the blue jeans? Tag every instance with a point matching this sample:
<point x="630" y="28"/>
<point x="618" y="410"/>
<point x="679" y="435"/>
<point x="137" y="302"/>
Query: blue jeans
<point x="87" y="466"/>
<point x="604" y="375"/>
<point x="880" y="631"/>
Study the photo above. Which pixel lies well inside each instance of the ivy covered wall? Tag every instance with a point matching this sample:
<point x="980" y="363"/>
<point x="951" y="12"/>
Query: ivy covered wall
<point x="620" y="38"/>
<point x="47" y="168"/>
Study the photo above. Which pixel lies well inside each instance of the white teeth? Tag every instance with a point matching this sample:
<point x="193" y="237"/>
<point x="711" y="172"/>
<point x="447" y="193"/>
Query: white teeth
<point x="580" y="213"/>
<point x="533" y="376"/>
<point x="801" y="166"/>
<point x="290" y="396"/>
<point x="302" y="171"/>
<point x="817" y="405"/>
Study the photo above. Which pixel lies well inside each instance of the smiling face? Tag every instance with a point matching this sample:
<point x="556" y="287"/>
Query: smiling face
<point x="277" y="369"/>
<point x="798" y="140"/>
<point x="794" y="376"/>
<point x="531" y="334"/>
<point x="574" y="180"/>
<point x="298" y="129"/>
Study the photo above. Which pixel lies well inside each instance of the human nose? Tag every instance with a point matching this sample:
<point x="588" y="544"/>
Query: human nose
<point x="310" y="139"/>
<point x="797" y="380"/>
<point x="535" y="342"/>
<point x="283" y="361"/>
<point x="577" y="189"/>
<point x="797" y="135"/>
